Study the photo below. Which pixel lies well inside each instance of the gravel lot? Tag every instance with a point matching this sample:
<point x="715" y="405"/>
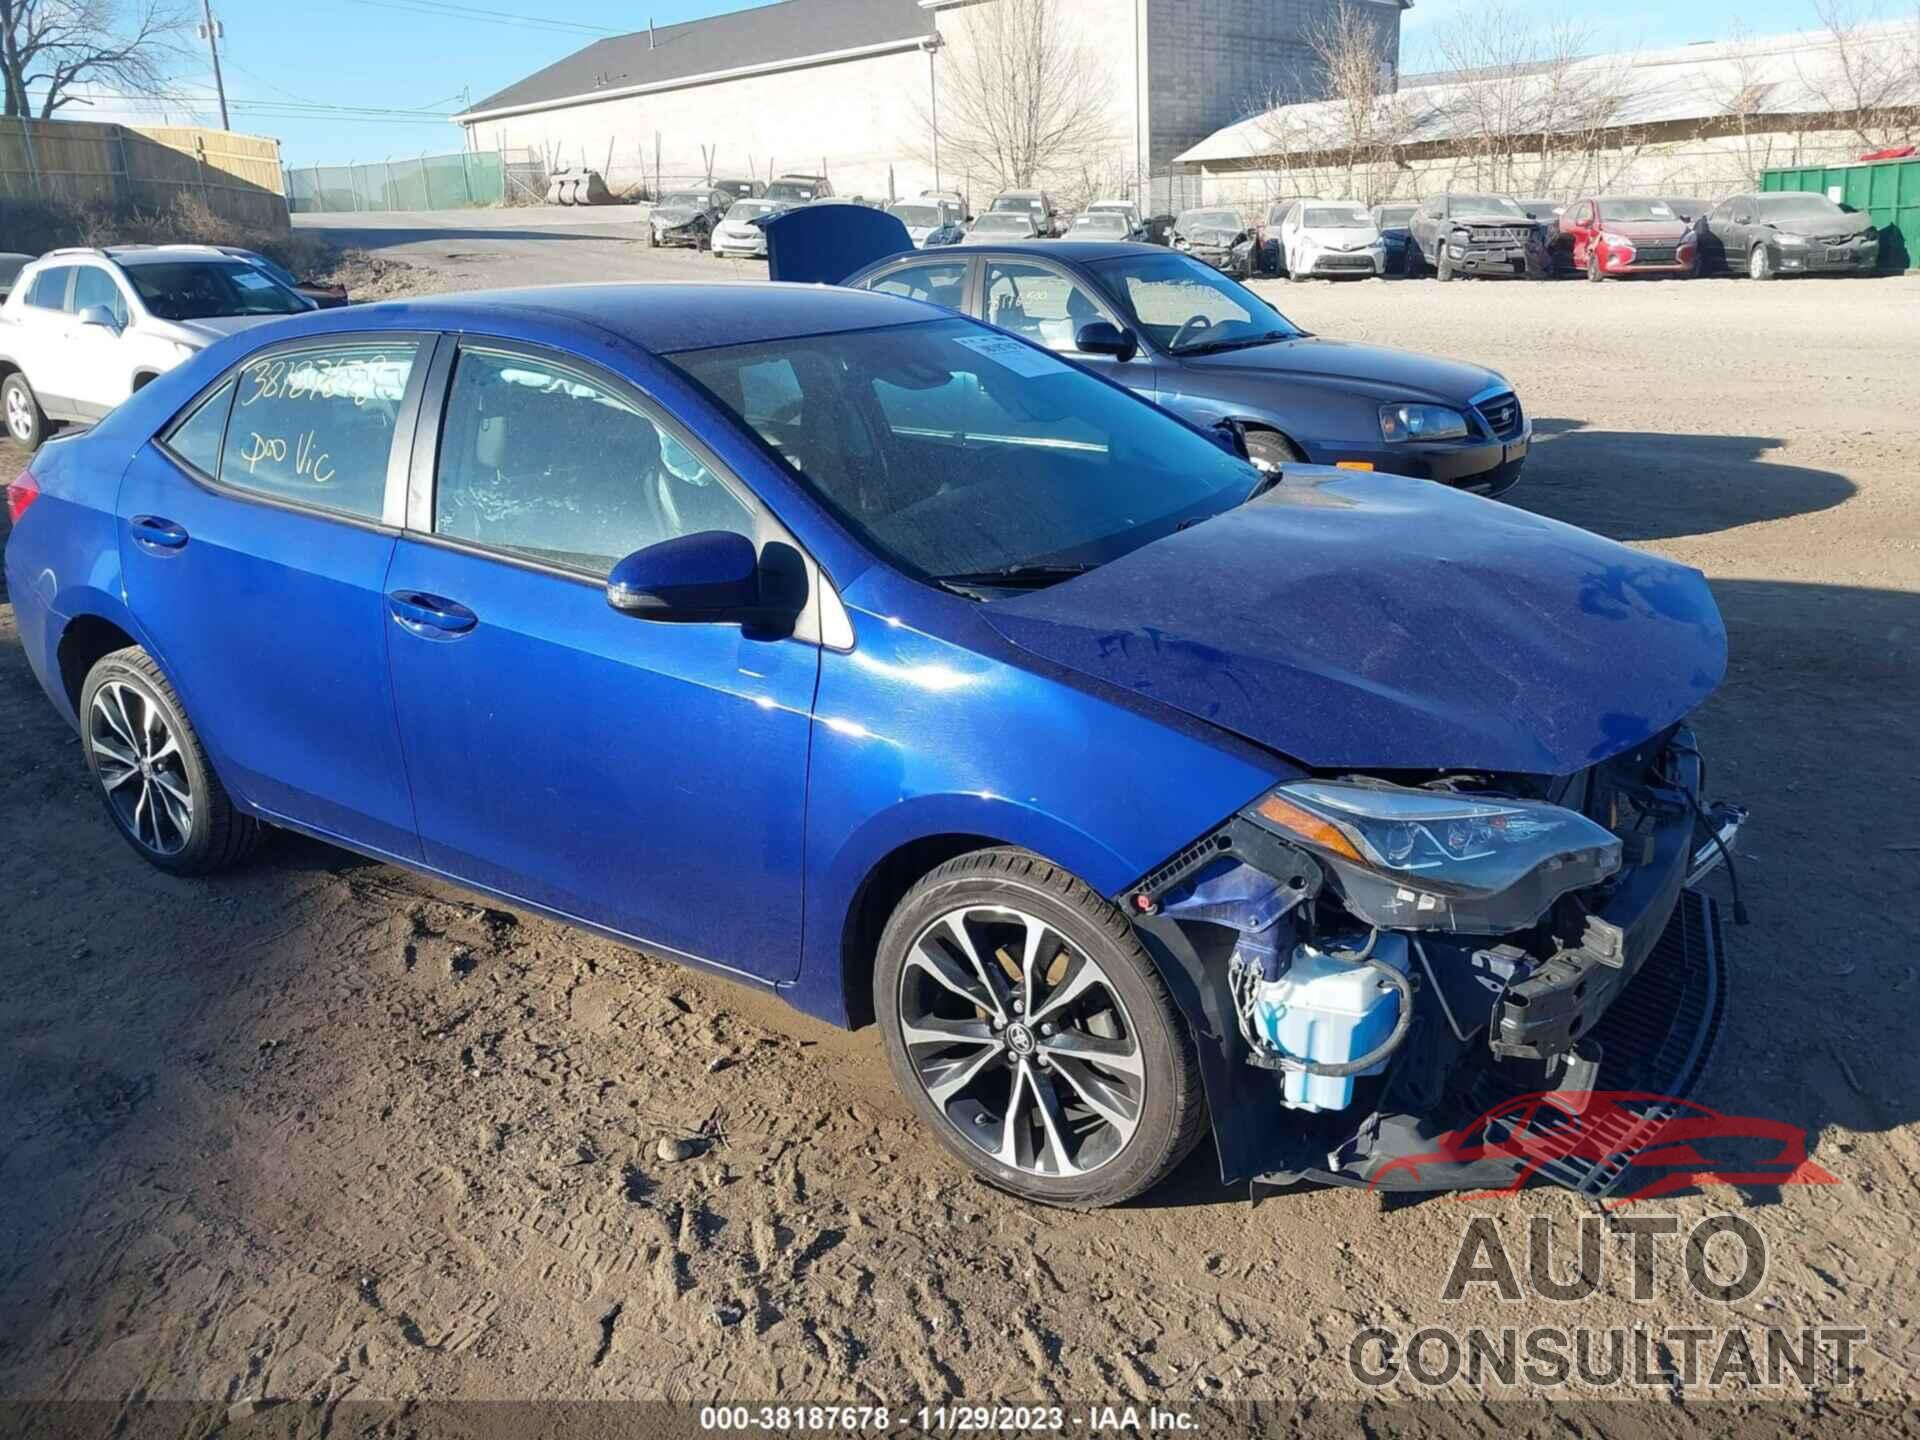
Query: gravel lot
<point x="323" y="1131"/>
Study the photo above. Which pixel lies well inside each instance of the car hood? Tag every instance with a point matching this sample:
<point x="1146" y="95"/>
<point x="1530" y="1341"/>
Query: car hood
<point x="1647" y="231"/>
<point x="1388" y="372"/>
<point x="1838" y="225"/>
<point x="1345" y="238"/>
<point x="826" y="244"/>
<point x="1365" y="622"/>
<point x="1210" y="236"/>
<point x="202" y="333"/>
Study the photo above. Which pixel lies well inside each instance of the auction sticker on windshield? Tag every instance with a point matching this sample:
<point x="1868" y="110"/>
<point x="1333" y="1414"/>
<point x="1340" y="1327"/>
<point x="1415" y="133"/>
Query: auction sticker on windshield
<point x="1019" y="358"/>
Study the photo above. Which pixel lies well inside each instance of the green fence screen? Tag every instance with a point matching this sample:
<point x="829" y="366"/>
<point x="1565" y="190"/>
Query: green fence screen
<point x="1886" y="191"/>
<point x="421" y="182"/>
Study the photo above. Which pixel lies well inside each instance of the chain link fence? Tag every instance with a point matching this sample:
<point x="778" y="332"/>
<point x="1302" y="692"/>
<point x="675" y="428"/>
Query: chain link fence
<point x="421" y="182"/>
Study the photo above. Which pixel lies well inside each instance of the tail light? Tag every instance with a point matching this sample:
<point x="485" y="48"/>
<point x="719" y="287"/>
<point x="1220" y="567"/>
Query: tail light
<point x="20" y="494"/>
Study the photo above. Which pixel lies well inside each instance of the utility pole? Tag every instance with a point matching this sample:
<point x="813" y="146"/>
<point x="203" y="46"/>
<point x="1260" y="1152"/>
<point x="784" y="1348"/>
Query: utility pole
<point x="932" y="46"/>
<point x="210" y="28"/>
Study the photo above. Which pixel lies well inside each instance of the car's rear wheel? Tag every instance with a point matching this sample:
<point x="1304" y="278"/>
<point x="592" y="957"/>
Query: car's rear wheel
<point x="153" y="772"/>
<point x="1030" y="1029"/>
<point x="1760" y="263"/>
<point x="26" y="421"/>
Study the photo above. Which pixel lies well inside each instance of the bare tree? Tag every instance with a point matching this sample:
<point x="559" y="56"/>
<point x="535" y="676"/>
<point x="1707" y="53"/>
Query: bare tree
<point x="1536" y="108"/>
<point x="1021" y="95"/>
<point x="1867" y="75"/>
<point x="56" y="47"/>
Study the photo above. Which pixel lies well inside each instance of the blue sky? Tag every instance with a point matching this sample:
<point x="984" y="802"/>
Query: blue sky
<point x="387" y="66"/>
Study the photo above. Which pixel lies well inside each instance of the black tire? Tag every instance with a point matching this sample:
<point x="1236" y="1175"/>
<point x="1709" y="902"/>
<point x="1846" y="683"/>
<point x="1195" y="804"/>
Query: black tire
<point x="27" y="424"/>
<point x="1270" y="450"/>
<point x="1170" y="1117"/>
<point x="217" y="835"/>
<point x="1443" y="266"/>
<point x="1760" y="264"/>
<point x="1594" y="277"/>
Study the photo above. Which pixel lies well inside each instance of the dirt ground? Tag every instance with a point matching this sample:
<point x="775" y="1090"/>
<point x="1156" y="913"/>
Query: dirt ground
<point x="322" y="1131"/>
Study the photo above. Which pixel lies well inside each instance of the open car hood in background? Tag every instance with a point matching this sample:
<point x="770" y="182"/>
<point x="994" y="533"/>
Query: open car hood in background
<point x="1368" y="622"/>
<point x="824" y="244"/>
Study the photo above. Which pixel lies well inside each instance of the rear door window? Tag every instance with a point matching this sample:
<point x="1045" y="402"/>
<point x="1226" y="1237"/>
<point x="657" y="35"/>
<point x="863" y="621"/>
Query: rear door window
<point x="196" y="439"/>
<point x="316" y="426"/>
<point x="49" y="288"/>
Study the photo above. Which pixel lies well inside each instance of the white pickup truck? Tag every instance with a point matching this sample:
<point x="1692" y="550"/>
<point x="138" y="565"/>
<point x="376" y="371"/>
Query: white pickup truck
<point x="83" y="329"/>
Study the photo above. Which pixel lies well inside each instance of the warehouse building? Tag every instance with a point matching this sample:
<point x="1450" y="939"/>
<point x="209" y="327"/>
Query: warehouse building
<point x="1702" y="120"/>
<point x="853" y="87"/>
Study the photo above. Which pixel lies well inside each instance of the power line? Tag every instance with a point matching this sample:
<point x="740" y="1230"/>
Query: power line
<point x="494" y="17"/>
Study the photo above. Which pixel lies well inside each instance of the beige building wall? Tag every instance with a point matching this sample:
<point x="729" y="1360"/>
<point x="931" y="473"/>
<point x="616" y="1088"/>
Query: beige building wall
<point x="855" y="116"/>
<point x="859" y="117"/>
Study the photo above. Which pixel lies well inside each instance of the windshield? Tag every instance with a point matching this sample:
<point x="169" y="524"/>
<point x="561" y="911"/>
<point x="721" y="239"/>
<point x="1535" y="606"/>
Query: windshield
<point x="1103" y="224"/>
<point x="956" y="450"/>
<point x="742" y="211"/>
<point x="914" y="214"/>
<point x="1394" y="217"/>
<point x="1024" y="204"/>
<point x="1171" y="296"/>
<point x="209" y="289"/>
<point x="685" y="200"/>
<point x="1797" y="207"/>
<point x="1208" y="219"/>
<point x="1636" y="210"/>
<point x="789" y="190"/>
<point x="1003" y="224"/>
<point x="1337" y="217"/>
<point x="1488" y="207"/>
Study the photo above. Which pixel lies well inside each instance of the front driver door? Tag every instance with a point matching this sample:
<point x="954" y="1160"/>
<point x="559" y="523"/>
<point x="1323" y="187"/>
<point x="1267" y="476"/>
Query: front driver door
<point x="1048" y="307"/>
<point x="646" y="778"/>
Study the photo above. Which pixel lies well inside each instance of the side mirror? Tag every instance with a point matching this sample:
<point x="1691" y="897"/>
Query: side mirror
<point x="99" y="315"/>
<point x="1102" y="338"/>
<point x="708" y="578"/>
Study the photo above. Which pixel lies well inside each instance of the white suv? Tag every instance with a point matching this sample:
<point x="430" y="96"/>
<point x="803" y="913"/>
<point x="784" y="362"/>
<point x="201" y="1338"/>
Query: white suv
<point x="83" y="329"/>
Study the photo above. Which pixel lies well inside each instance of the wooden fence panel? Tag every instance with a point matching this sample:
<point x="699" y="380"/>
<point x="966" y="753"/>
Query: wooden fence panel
<point x="147" y="167"/>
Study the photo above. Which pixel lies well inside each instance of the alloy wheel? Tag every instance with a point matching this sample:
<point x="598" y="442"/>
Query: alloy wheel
<point x="1021" y="1041"/>
<point x="19" y="418"/>
<point x="141" y="767"/>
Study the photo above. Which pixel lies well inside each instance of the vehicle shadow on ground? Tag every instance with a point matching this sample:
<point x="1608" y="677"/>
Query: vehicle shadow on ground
<point x="1633" y="485"/>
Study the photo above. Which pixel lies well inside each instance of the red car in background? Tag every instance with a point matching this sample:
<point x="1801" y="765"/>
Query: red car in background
<point x="1608" y="236"/>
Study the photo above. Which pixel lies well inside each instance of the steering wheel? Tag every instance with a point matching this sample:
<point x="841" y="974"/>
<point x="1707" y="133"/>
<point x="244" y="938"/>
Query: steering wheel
<point x="1195" y="323"/>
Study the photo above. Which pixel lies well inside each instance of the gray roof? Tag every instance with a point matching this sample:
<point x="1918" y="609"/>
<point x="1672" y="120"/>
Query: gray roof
<point x="789" y="32"/>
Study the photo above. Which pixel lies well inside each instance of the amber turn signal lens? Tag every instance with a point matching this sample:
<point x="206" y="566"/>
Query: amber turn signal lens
<point x="1308" y="826"/>
<point x="1353" y="464"/>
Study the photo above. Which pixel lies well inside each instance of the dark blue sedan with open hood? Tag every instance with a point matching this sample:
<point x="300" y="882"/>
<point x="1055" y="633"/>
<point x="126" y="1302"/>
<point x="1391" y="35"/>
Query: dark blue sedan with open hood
<point x="1194" y="341"/>
<point x="862" y="652"/>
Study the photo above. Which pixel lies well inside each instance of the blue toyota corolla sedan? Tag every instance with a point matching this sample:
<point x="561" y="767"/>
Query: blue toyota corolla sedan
<point x="863" y="652"/>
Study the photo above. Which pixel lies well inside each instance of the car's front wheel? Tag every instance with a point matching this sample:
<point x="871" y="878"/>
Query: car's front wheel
<point x="1760" y="263"/>
<point x="153" y="772"/>
<point x="26" y="421"/>
<point x="1031" y="1030"/>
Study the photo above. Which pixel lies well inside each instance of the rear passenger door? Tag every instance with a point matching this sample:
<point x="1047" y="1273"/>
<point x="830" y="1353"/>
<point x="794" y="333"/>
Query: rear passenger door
<point x="41" y="348"/>
<point x="646" y="778"/>
<point x="255" y="536"/>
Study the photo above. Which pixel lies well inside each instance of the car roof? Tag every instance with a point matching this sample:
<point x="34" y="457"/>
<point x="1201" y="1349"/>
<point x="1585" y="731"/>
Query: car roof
<point x="661" y="317"/>
<point x="1080" y="252"/>
<point x="136" y="254"/>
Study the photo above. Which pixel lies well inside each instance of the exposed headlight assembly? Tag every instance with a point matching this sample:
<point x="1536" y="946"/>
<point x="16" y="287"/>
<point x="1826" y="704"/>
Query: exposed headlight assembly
<point x="1436" y="860"/>
<point x="1794" y="240"/>
<point x="1421" y="422"/>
